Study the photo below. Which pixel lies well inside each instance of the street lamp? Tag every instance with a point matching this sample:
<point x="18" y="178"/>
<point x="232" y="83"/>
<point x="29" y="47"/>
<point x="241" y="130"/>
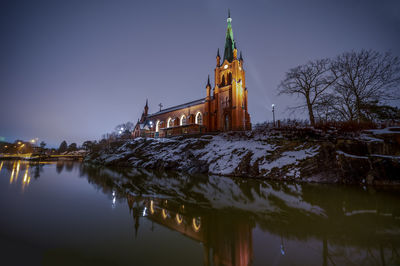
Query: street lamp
<point x="34" y="141"/>
<point x="273" y="113"/>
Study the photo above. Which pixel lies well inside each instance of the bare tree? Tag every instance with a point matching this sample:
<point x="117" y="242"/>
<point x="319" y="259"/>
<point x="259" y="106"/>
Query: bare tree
<point x="310" y="81"/>
<point x="124" y="127"/>
<point x="364" y="77"/>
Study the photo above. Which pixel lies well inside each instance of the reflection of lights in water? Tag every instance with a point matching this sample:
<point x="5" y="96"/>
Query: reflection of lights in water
<point x="152" y="207"/>
<point x="17" y="173"/>
<point x="144" y="211"/>
<point x="196" y="224"/>
<point x="27" y="179"/>
<point x="114" y="200"/>
<point x="25" y="175"/>
<point x="164" y="213"/>
<point x="12" y="173"/>
<point x="282" y="250"/>
<point x="179" y="218"/>
<point x="1" y="166"/>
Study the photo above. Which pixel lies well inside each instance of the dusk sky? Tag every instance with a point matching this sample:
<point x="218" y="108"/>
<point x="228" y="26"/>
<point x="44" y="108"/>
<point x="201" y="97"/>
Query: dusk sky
<point x="73" y="70"/>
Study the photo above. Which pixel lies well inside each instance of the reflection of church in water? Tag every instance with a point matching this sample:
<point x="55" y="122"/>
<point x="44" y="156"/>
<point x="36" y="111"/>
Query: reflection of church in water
<point x="223" y="243"/>
<point x="224" y="108"/>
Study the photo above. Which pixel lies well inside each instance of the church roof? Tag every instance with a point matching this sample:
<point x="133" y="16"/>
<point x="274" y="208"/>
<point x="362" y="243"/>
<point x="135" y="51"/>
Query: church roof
<point x="177" y="107"/>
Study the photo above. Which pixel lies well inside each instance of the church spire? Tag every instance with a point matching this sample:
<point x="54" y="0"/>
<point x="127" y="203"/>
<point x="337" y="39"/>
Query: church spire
<point x="146" y="108"/>
<point x="208" y="82"/>
<point x="229" y="42"/>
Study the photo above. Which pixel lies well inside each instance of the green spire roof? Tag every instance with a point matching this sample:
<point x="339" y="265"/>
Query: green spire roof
<point x="229" y="42"/>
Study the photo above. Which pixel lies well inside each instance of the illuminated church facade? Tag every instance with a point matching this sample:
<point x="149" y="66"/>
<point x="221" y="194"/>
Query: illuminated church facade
<point x="223" y="109"/>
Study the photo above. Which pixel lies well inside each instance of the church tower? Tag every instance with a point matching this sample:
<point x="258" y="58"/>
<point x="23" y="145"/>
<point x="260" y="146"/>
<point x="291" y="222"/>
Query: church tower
<point x="230" y="92"/>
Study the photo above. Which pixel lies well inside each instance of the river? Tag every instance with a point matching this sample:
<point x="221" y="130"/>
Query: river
<point x="69" y="213"/>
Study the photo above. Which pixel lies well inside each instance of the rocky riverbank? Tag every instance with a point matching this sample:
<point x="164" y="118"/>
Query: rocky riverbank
<point x="372" y="157"/>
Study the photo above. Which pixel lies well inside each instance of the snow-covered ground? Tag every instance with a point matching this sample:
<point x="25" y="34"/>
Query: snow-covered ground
<point x="274" y="156"/>
<point x="221" y="155"/>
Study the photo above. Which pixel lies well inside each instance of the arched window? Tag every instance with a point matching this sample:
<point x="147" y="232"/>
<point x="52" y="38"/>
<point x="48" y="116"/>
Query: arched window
<point x="169" y="122"/>
<point x="229" y="79"/>
<point x="179" y="218"/>
<point x="223" y="81"/>
<point x="199" y="119"/>
<point x="158" y="126"/>
<point x="196" y="223"/>
<point x="183" y="120"/>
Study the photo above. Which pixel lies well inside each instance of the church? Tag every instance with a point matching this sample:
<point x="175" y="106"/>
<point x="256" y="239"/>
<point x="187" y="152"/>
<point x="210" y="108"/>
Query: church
<point x="223" y="109"/>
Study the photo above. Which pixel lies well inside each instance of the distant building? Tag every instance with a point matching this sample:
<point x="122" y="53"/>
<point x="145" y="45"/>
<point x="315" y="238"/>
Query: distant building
<point x="223" y="109"/>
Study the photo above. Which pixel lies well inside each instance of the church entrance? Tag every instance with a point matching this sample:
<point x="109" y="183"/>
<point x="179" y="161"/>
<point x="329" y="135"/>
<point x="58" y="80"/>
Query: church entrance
<point x="226" y="123"/>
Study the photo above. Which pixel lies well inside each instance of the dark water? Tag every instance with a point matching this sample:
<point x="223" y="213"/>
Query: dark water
<point x="72" y="214"/>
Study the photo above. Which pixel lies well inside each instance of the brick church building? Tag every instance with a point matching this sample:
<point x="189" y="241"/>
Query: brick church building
<point x="223" y="109"/>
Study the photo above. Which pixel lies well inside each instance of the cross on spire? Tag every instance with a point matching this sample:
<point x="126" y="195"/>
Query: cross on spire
<point x="160" y="106"/>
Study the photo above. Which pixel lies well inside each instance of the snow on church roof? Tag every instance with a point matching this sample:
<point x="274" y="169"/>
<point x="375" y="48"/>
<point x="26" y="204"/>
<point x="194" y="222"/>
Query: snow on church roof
<point x="177" y="107"/>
